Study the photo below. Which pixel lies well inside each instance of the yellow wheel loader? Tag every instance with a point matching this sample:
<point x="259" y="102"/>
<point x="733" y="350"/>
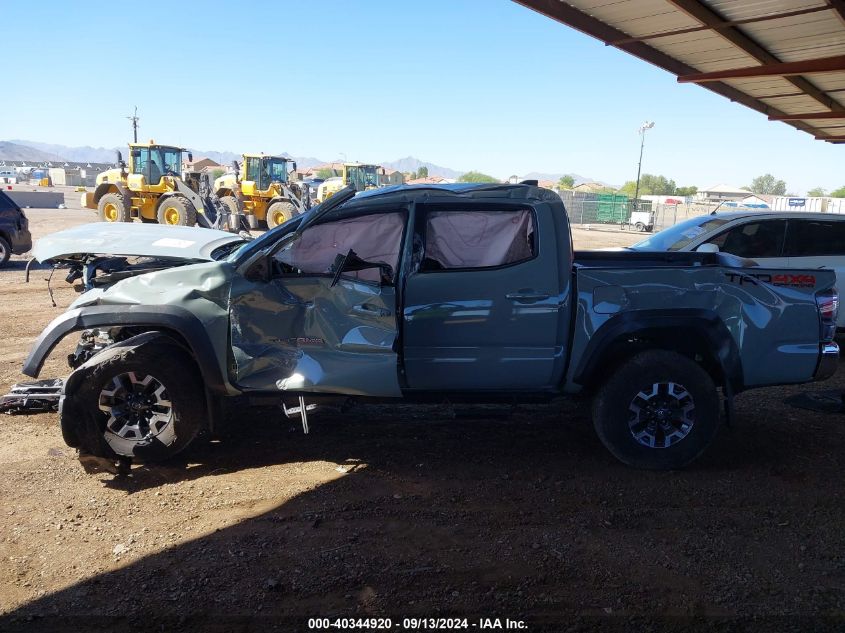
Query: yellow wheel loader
<point x="153" y="188"/>
<point x="260" y="188"/>
<point x="361" y="177"/>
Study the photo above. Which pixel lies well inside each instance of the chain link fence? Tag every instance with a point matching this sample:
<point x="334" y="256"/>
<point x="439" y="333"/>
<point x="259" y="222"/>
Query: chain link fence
<point x="619" y="210"/>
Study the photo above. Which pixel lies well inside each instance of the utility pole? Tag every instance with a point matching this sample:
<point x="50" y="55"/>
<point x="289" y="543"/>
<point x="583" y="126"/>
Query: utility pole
<point x="134" y="118"/>
<point x="647" y="125"/>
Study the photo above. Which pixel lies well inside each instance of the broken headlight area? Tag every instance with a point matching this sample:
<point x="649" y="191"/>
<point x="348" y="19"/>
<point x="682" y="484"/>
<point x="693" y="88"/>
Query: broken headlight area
<point x="97" y="271"/>
<point x="95" y="340"/>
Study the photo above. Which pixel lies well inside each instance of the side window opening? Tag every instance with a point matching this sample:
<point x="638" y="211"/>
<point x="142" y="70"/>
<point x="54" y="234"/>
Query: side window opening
<point x="373" y="238"/>
<point x="815" y="238"/>
<point x="754" y="240"/>
<point x="478" y="239"/>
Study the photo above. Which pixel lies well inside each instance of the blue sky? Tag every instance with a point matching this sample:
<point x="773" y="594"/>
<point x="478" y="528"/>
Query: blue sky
<point x="469" y="84"/>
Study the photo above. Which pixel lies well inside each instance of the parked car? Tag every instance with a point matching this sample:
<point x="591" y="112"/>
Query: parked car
<point x="419" y="293"/>
<point x="14" y="229"/>
<point x="772" y="239"/>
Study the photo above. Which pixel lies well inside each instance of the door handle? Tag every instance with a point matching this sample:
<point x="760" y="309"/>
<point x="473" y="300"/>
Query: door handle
<point x="371" y="310"/>
<point x="527" y="296"/>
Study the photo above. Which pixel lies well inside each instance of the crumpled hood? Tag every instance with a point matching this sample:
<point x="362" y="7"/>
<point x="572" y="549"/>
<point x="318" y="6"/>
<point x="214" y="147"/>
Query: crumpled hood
<point x="133" y="239"/>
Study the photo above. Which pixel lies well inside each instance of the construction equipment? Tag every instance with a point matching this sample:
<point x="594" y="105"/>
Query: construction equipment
<point x="154" y="189"/>
<point x="361" y="177"/>
<point x="260" y="188"/>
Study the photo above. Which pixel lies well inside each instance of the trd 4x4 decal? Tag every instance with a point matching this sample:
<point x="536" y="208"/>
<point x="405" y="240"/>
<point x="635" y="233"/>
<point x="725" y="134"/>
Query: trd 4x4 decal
<point x="797" y="280"/>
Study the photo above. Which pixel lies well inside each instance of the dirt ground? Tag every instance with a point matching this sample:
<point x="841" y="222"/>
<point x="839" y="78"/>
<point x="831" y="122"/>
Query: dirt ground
<point x="400" y="512"/>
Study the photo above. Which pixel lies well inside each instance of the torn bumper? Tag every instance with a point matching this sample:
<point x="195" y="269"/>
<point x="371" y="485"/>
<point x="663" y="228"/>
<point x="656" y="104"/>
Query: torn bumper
<point x="828" y="361"/>
<point x="27" y="398"/>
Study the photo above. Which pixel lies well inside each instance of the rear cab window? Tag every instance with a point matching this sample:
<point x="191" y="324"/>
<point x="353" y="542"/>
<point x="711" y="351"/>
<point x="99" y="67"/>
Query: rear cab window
<point x="467" y="240"/>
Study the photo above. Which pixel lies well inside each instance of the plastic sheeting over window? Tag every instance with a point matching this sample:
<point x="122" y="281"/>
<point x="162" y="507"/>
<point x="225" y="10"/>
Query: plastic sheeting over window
<point x="374" y="238"/>
<point x="477" y="239"/>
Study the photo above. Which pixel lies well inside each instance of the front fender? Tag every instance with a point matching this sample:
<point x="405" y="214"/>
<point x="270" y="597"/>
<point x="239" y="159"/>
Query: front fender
<point x="167" y="318"/>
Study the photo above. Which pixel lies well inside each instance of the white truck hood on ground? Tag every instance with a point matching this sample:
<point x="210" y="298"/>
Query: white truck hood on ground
<point x="132" y="239"/>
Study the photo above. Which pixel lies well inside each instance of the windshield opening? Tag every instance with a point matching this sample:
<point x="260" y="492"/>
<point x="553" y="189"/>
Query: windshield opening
<point x="677" y="237"/>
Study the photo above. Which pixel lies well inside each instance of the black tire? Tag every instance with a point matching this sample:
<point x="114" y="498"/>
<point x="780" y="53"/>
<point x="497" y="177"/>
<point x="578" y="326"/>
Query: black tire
<point x="279" y="213"/>
<point x="176" y="211"/>
<point x="5" y="250"/>
<point x="112" y="208"/>
<point x="640" y="226"/>
<point x="230" y="202"/>
<point x="680" y="397"/>
<point x="105" y="424"/>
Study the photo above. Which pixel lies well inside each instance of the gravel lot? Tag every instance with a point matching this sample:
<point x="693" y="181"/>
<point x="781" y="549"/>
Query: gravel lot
<point x="417" y="512"/>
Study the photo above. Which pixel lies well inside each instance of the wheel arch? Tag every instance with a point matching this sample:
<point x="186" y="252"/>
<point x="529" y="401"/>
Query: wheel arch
<point x="697" y="334"/>
<point x="112" y="187"/>
<point x="173" y="321"/>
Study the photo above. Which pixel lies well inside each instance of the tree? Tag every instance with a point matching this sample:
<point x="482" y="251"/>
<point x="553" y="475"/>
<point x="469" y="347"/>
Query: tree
<point x="838" y="193"/>
<point x="650" y="185"/>
<point x="566" y="182"/>
<point x="414" y="175"/>
<point x="422" y="172"/>
<point x="768" y="184"/>
<point x="686" y="191"/>
<point x="476" y="176"/>
<point x="816" y="192"/>
<point x="216" y="173"/>
<point x="325" y="173"/>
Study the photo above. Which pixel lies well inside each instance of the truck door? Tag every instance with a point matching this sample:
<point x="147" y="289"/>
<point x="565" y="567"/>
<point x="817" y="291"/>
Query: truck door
<point x="308" y="330"/>
<point x="483" y="300"/>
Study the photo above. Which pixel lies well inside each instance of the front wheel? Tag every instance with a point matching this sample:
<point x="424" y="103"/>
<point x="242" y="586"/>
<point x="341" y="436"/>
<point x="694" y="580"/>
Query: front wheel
<point x="640" y="226"/>
<point x="5" y="251"/>
<point x="659" y="410"/>
<point x="279" y="213"/>
<point x="112" y="208"/>
<point x="177" y="211"/>
<point x="144" y="402"/>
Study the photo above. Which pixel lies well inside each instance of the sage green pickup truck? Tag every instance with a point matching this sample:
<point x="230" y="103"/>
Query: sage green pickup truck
<point x="455" y="292"/>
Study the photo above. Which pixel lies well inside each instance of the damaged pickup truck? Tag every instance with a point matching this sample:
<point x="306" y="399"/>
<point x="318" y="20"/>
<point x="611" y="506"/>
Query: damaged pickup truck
<point x="420" y="293"/>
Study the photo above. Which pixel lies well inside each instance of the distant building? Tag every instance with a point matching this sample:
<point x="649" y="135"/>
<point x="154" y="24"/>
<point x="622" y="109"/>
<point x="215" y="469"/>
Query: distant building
<point x="721" y="193"/>
<point x="201" y="165"/>
<point x="430" y="180"/>
<point x="590" y="187"/>
<point x="391" y="176"/>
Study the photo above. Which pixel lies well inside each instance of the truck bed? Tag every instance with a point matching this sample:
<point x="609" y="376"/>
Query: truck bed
<point x="657" y="259"/>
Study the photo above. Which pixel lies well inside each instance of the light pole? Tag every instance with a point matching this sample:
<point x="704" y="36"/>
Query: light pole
<point x="647" y="125"/>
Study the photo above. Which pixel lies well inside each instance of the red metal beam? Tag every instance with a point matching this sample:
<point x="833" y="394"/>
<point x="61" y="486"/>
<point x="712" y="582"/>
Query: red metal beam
<point x="572" y="17"/>
<point x="780" y="69"/>
<point x="720" y="26"/>
<point x="807" y="116"/>
<point x="831" y="138"/>
<point x="709" y="17"/>
<point x="839" y="7"/>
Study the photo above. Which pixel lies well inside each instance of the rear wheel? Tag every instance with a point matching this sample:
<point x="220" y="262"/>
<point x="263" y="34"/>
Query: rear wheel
<point x="5" y="251"/>
<point x="640" y="226"/>
<point x="177" y="211"/>
<point x="111" y="208"/>
<point x="659" y="410"/>
<point x="279" y="213"/>
<point x="145" y="402"/>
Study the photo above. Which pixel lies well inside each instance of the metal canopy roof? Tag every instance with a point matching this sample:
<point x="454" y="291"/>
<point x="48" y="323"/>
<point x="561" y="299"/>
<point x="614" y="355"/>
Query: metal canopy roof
<point x="783" y="58"/>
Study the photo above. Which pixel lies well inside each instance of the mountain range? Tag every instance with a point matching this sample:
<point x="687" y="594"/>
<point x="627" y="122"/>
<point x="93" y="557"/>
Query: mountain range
<point x="34" y="151"/>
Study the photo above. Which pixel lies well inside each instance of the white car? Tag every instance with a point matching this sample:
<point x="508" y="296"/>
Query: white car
<point x="772" y="239"/>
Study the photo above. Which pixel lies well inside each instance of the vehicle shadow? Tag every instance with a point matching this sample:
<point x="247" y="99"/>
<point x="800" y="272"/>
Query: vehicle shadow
<point x="521" y="516"/>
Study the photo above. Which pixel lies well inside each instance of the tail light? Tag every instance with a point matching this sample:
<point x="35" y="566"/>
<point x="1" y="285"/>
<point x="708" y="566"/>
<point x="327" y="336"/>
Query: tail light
<point x="828" y="303"/>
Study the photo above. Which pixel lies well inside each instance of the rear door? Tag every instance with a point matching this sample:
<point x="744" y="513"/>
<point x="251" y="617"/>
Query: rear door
<point x="302" y="332"/>
<point x="481" y="300"/>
